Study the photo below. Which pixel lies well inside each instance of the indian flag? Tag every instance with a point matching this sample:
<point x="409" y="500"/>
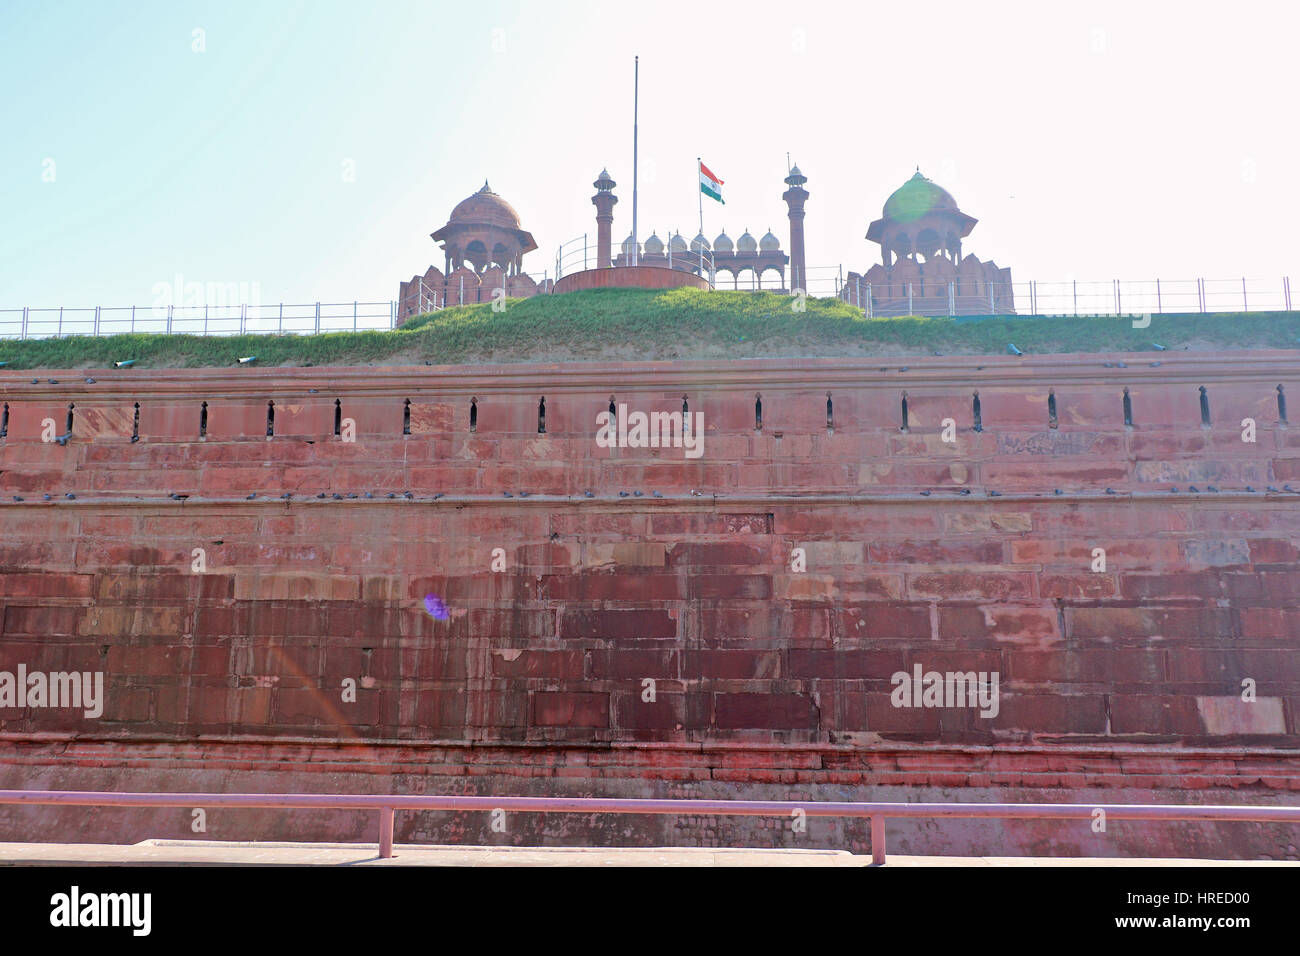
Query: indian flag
<point x="710" y="184"/>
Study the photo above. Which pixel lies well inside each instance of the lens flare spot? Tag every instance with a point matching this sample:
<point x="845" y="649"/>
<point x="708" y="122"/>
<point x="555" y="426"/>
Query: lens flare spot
<point x="433" y="604"/>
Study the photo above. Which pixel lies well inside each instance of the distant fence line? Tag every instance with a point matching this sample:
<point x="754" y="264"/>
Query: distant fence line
<point x="963" y="297"/>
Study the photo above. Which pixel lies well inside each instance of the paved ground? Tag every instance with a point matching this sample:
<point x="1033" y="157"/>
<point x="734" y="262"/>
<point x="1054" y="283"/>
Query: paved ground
<point x="215" y="853"/>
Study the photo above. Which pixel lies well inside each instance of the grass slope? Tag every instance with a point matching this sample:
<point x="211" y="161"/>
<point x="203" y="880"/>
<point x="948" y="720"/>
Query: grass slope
<point x="646" y="324"/>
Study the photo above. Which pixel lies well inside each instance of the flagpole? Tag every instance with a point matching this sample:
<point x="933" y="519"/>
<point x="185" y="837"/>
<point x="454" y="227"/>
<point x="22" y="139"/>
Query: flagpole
<point x="636" y="90"/>
<point x="699" y="166"/>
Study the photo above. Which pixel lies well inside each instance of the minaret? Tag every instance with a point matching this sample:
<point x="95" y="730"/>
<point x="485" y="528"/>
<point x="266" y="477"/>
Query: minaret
<point x="795" y="197"/>
<point x="604" y="201"/>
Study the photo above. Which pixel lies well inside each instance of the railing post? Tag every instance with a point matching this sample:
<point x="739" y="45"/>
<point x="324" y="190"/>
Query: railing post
<point x="1286" y="292"/>
<point x="869" y="300"/>
<point x="243" y="317"/>
<point x="584" y="252"/>
<point x="59" y="334"/>
<point x="1074" y="284"/>
<point x="354" y="312"/>
<point x="169" y="318"/>
<point x="1159" y="305"/>
<point x="282" y="318"/>
<point x="205" y="318"/>
<point x="1245" y="306"/>
<point x="132" y="318"/>
<point x="25" y="319"/>
<point x="96" y="332"/>
<point x="318" y="318"/>
<point x="878" y="840"/>
<point x="1119" y="305"/>
<point x="386" y="815"/>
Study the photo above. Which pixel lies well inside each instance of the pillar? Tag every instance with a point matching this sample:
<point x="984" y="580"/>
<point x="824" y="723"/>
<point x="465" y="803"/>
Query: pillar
<point x="604" y="201"/>
<point x="794" y="198"/>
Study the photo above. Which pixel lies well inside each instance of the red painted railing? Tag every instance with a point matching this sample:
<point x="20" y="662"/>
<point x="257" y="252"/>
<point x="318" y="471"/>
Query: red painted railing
<point x="877" y="813"/>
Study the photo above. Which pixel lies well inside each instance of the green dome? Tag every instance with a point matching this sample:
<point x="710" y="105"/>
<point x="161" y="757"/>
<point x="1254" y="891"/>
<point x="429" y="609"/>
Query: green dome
<point x="915" y="198"/>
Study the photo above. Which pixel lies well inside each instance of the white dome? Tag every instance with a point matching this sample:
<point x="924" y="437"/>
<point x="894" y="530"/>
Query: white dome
<point x="654" y="246"/>
<point x="747" y="243"/>
<point x="723" y="243"/>
<point x="628" y="245"/>
<point x="698" y="242"/>
<point x="769" y="243"/>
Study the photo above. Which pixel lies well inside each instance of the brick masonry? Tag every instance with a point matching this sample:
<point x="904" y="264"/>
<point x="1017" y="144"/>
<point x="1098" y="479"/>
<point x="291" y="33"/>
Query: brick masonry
<point x="1116" y="685"/>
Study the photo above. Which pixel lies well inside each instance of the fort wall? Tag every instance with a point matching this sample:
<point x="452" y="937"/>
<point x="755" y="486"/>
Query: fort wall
<point x="977" y="554"/>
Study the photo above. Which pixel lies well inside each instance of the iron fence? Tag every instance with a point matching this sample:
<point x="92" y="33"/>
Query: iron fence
<point x="919" y="297"/>
<point x="579" y="254"/>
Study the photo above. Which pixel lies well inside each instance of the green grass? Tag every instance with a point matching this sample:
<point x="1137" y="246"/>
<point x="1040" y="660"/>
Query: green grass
<point x="676" y="324"/>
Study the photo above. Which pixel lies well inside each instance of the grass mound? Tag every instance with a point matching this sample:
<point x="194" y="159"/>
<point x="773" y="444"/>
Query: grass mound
<point x="671" y="324"/>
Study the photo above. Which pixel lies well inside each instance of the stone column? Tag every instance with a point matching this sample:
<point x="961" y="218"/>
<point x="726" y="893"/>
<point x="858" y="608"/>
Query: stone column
<point x="604" y="201"/>
<point x="794" y="198"/>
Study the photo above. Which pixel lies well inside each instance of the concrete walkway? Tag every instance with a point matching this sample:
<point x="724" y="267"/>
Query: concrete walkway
<point x="216" y="853"/>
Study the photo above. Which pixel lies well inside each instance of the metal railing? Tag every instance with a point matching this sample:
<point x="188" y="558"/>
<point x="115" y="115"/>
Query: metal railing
<point x="877" y="813"/>
<point x="579" y="254"/>
<point x="280" y="318"/>
<point x="1073" y="298"/>
<point x="918" y="297"/>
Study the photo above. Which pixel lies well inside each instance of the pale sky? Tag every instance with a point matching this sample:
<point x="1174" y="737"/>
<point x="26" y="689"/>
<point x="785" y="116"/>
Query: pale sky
<point x="1095" y="141"/>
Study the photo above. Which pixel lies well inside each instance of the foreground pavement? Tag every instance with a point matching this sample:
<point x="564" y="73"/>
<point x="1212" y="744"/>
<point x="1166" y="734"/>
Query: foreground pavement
<point x="217" y="853"/>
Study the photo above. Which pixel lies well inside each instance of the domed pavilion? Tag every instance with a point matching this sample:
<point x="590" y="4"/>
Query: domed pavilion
<point x="482" y="231"/>
<point x="923" y="270"/>
<point x="483" y="245"/>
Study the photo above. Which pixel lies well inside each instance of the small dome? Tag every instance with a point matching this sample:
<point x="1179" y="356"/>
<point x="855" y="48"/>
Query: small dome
<point x="677" y="243"/>
<point x="698" y="242"/>
<point x="485" y="208"/>
<point x="628" y="245"/>
<point x="747" y="243"/>
<point x="915" y="198"/>
<point x="723" y="243"/>
<point x="654" y="246"/>
<point x="769" y="243"/>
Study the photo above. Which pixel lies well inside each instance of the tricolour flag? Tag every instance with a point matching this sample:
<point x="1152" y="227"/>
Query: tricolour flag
<point x="710" y="184"/>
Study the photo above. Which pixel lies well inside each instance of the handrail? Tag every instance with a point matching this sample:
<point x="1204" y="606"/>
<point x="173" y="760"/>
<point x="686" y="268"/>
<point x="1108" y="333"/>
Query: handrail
<point x="877" y="813"/>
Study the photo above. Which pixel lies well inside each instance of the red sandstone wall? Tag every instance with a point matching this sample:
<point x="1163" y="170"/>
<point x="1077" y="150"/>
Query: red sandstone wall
<point x="1124" y="684"/>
